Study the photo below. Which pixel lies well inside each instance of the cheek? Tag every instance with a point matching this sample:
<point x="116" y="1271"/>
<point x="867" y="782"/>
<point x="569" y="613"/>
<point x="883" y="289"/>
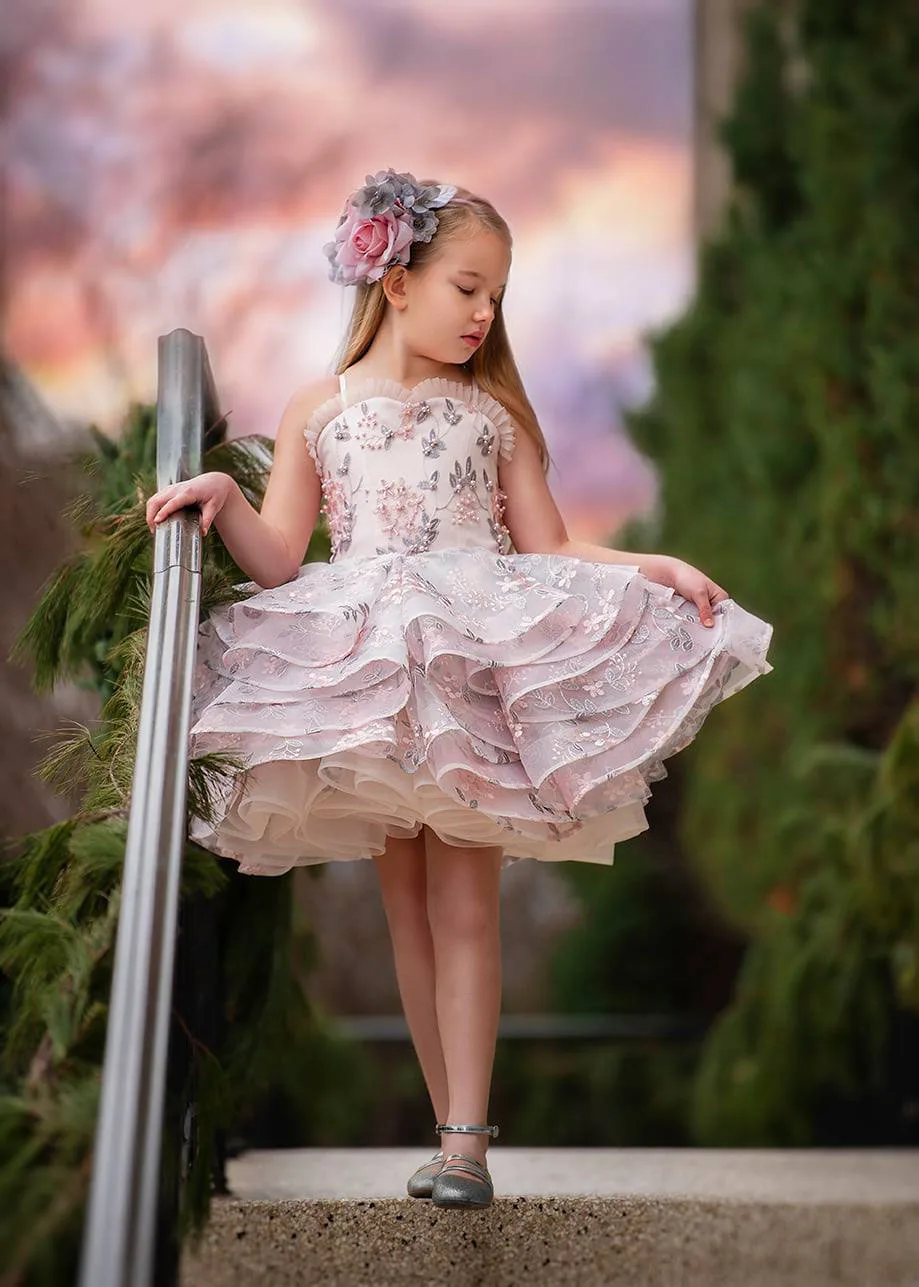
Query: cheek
<point x="450" y="304"/>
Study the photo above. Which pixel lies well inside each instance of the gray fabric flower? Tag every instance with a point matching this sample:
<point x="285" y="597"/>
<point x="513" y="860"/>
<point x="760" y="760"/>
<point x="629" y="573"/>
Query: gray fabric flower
<point x="387" y="190"/>
<point x="404" y="211"/>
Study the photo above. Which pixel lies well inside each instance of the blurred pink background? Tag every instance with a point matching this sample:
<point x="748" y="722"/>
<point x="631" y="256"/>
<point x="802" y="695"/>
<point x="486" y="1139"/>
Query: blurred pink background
<point x="181" y="164"/>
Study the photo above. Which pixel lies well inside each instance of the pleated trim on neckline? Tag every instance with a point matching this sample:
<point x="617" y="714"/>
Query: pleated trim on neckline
<point x="470" y="395"/>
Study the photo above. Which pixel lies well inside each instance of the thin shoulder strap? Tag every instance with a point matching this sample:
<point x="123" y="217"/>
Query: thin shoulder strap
<point x="341" y="385"/>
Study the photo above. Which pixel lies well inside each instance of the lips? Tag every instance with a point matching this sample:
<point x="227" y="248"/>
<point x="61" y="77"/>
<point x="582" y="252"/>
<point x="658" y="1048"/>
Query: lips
<point x="473" y="338"/>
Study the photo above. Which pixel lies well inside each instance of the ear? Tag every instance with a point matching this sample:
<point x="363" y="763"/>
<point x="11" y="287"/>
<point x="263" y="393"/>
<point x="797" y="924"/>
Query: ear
<point x="395" y="286"/>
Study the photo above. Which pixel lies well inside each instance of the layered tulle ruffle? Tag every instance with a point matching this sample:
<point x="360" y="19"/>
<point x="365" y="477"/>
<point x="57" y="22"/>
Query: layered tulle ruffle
<point x="472" y="397"/>
<point x="526" y="701"/>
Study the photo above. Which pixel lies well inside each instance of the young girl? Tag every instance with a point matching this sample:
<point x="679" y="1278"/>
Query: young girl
<point x="429" y="699"/>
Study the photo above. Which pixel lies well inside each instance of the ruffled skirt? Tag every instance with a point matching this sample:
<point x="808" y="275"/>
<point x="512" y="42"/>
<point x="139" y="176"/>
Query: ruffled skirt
<point x="526" y="701"/>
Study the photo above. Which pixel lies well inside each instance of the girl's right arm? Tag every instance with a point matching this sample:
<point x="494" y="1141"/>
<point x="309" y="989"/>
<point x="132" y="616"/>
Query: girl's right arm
<point x="269" y="546"/>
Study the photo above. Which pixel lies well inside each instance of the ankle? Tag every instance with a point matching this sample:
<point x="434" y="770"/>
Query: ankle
<point x="473" y="1143"/>
<point x="475" y="1146"/>
<point x="466" y="1138"/>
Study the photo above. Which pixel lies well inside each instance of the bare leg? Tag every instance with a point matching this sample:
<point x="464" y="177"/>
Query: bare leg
<point x="403" y="884"/>
<point x="464" y="913"/>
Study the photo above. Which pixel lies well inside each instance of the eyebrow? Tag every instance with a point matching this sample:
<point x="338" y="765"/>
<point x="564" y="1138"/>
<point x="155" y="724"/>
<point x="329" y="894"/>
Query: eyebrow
<point x="470" y="272"/>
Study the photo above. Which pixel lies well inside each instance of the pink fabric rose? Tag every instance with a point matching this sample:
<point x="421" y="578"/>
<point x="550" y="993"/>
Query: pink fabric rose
<point x="367" y="246"/>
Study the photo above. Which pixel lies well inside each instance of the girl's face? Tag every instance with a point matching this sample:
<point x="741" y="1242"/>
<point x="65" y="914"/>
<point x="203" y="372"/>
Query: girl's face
<point x="451" y="301"/>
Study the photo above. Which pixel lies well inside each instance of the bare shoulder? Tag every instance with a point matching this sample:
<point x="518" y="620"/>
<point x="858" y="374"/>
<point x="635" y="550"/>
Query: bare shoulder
<point x="305" y="400"/>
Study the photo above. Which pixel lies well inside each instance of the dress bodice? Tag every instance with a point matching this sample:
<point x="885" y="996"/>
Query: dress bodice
<point x="407" y="470"/>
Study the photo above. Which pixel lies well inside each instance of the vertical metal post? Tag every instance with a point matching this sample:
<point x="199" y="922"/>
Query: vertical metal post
<point x="118" y="1245"/>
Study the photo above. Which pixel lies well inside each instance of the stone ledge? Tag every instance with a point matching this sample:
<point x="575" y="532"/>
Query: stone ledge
<point x="553" y="1242"/>
<point x="752" y="1175"/>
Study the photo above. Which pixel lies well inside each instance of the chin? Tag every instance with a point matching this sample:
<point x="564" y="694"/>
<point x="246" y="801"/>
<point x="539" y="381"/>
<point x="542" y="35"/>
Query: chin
<point x="452" y="355"/>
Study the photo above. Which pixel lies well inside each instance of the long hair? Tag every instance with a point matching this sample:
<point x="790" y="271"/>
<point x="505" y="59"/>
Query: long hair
<point x="492" y="364"/>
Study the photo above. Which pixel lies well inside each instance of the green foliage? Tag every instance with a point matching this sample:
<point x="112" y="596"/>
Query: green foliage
<point x="56" y="942"/>
<point x="814" y="995"/>
<point x="99" y="599"/>
<point x="642" y="941"/>
<point x="43" y="1179"/>
<point x="278" y="1047"/>
<point x="61" y="888"/>
<point x="599" y="1094"/>
<point x="784" y="427"/>
<point x="623" y="957"/>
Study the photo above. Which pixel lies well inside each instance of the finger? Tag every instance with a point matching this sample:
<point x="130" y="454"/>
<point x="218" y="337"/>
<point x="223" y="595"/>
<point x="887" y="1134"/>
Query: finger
<point x="153" y="505"/>
<point x="700" y="598"/>
<point x="208" y="514"/>
<point x="165" y="509"/>
<point x="176" y="502"/>
<point x="160" y="497"/>
<point x="717" y="593"/>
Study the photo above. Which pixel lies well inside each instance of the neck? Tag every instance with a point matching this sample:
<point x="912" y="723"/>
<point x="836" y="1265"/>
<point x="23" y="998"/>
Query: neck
<point x="390" y="358"/>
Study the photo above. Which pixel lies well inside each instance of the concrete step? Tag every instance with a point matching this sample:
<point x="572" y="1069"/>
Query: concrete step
<point x="586" y="1217"/>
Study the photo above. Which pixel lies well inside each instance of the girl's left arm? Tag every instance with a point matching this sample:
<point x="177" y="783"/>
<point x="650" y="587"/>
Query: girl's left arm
<point x="536" y="527"/>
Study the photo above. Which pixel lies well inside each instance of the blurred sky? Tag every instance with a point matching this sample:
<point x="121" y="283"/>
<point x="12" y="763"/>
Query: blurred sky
<point x="181" y="162"/>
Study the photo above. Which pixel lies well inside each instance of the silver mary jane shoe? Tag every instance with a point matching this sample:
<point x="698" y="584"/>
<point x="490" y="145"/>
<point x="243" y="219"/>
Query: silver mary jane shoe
<point x="462" y="1181"/>
<point x="419" y="1184"/>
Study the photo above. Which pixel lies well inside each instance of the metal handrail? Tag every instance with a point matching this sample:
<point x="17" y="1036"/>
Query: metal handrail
<point x="119" y="1240"/>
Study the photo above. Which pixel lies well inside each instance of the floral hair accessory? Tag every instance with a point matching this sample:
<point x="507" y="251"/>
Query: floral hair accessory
<point x="380" y="223"/>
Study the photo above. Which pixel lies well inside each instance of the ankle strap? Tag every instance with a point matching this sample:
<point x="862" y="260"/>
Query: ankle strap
<point x="467" y="1163"/>
<point x="443" y="1127"/>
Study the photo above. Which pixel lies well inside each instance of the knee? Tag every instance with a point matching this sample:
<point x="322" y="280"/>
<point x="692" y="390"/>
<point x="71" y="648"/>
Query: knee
<point x="407" y="909"/>
<point x="462" y="912"/>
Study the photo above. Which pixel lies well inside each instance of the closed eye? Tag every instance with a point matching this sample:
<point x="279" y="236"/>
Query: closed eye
<point x="463" y="291"/>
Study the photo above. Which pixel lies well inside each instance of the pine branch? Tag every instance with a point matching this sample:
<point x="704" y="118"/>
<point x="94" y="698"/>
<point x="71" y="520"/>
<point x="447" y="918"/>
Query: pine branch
<point x="69" y="763"/>
<point x="57" y="936"/>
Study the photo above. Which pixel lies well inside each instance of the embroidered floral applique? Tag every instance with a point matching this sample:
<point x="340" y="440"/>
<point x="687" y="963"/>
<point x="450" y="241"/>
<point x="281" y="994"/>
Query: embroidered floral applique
<point x="368" y="422"/>
<point x="465" y="508"/>
<point x="452" y="414"/>
<point x="432" y="444"/>
<point x="496" y="522"/>
<point x="423" y="536"/>
<point x="619" y="673"/>
<point x="464" y="503"/>
<point x="564" y="573"/>
<point x="374" y="433"/>
<point x="339" y="514"/>
<point x="398" y="507"/>
<point x="462" y="476"/>
<point x="596" y="622"/>
<point x="486" y="439"/>
<point x="415" y="413"/>
<point x="680" y="639"/>
<point x="393" y="494"/>
<point x="600" y="737"/>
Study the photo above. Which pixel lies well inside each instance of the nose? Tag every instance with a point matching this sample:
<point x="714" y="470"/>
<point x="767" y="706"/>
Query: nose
<point x="485" y="313"/>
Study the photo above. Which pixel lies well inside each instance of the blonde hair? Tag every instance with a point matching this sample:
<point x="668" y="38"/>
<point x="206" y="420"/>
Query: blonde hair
<point x="492" y="365"/>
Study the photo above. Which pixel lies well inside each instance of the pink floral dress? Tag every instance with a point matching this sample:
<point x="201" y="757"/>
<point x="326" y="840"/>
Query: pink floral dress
<point x="429" y="675"/>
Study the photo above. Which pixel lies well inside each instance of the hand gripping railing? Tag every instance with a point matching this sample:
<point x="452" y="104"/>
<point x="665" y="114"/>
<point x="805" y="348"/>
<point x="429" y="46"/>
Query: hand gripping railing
<point x="118" y="1245"/>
